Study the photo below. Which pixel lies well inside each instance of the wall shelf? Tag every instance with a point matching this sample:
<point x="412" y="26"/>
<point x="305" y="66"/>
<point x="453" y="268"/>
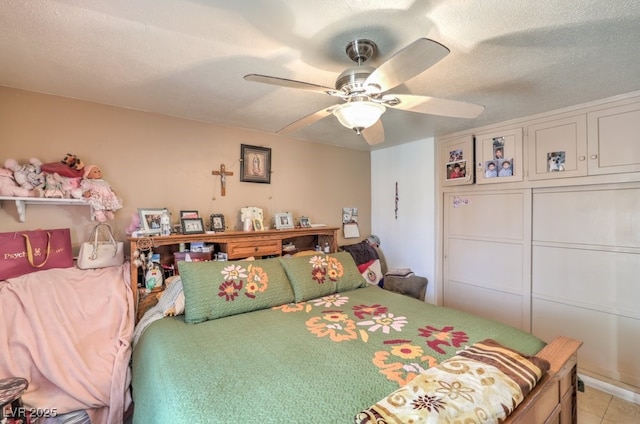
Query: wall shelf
<point x="22" y="202"/>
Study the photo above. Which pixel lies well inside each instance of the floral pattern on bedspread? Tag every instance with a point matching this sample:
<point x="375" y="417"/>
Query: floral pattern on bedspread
<point x="403" y="354"/>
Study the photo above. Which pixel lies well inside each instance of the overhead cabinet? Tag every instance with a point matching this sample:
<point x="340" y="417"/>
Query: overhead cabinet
<point x="614" y="140"/>
<point x="558" y="148"/>
<point x="601" y="142"/>
<point x="499" y="156"/>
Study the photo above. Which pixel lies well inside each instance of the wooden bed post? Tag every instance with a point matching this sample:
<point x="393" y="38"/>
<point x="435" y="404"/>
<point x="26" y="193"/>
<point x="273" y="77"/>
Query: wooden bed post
<point x="554" y="399"/>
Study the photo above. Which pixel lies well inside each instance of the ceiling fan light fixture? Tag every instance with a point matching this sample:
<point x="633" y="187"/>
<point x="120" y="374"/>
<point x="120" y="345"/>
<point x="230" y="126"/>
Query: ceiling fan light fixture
<point x="359" y="115"/>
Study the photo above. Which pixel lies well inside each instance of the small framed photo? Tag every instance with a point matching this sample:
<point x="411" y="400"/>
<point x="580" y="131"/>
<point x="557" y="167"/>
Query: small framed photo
<point x="192" y="226"/>
<point x="189" y="214"/>
<point x="255" y="164"/>
<point x="283" y="220"/>
<point x="150" y="220"/>
<point x="257" y="225"/>
<point x="217" y="222"/>
<point x="305" y="222"/>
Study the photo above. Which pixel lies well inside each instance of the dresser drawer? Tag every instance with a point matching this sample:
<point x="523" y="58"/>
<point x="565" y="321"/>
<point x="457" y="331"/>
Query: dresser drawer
<point x="246" y="249"/>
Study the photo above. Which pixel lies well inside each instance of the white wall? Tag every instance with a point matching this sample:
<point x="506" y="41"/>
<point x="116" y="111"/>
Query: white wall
<point x="409" y="240"/>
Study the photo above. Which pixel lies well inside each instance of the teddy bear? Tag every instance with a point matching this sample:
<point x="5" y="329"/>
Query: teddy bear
<point x="29" y="176"/>
<point x="9" y="187"/>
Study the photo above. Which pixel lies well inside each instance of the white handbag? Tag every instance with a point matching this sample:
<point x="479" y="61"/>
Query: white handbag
<point x="100" y="253"/>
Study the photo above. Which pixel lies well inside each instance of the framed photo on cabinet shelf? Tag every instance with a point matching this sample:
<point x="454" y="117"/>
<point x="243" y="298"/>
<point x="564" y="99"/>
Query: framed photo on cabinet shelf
<point x="283" y="221"/>
<point x="189" y="214"/>
<point x="192" y="226"/>
<point x="150" y="220"/>
<point x="255" y="164"/>
<point x="305" y="222"/>
<point x="217" y="222"/>
<point x="257" y="225"/>
<point x="457" y="159"/>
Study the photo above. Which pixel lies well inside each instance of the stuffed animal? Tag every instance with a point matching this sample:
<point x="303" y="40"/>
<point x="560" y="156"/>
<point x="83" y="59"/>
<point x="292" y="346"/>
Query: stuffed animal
<point x="74" y="162"/>
<point x="29" y="176"/>
<point x="71" y="187"/>
<point x="71" y="167"/>
<point x="99" y="194"/>
<point x="53" y="186"/>
<point x="134" y="225"/>
<point x="9" y="187"/>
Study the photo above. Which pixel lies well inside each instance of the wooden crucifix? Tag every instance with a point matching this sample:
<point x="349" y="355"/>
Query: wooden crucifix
<point x="223" y="178"/>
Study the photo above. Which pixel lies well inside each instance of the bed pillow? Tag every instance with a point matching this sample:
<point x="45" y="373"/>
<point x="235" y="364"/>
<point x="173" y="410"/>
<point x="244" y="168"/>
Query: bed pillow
<point x="485" y="380"/>
<point x="217" y="289"/>
<point x="371" y="272"/>
<point x="319" y="275"/>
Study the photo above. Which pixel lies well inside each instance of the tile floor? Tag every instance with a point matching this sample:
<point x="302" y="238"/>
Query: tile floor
<point x="598" y="407"/>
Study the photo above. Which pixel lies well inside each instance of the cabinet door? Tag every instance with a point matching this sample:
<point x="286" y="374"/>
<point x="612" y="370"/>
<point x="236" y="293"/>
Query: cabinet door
<point x="499" y="157"/>
<point x="456" y="161"/>
<point x="558" y="149"/>
<point x="614" y="144"/>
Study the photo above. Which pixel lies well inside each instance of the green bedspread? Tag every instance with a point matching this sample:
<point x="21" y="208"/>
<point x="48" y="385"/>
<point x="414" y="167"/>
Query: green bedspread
<point x="320" y="361"/>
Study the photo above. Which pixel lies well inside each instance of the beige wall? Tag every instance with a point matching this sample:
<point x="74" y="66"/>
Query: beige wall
<point x="157" y="161"/>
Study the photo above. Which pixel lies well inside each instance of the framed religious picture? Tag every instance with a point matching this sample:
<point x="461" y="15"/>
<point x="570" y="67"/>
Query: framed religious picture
<point x="255" y="164"/>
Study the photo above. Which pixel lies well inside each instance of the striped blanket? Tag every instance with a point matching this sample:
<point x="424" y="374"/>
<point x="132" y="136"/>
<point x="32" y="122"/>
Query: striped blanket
<point x="483" y="383"/>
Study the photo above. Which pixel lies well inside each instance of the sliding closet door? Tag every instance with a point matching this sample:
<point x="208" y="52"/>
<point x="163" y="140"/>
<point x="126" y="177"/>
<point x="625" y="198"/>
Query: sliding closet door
<point x="487" y="254"/>
<point x="586" y="273"/>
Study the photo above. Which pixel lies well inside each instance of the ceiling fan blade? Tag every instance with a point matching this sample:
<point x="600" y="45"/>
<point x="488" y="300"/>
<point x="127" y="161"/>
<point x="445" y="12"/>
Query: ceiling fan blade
<point x="374" y="134"/>
<point x="284" y="82"/>
<point x="432" y="105"/>
<point x="406" y="64"/>
<point x="307" y="120"/>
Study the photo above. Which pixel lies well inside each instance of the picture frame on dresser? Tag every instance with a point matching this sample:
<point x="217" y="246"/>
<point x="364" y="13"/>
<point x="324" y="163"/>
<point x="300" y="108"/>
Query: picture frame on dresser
<point x="283" y="220"/>
<point x="192" y="226"/>
<point x="217" y="223"/>
<point x="150" y="220"/>
<point x="457" y="159"/>
<point x="255" y="164"/>
<point x="189" y="214"/>
<point x="305" y="222"/>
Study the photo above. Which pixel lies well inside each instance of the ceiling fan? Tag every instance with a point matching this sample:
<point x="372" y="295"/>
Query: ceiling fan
<point x="363" y="88"/>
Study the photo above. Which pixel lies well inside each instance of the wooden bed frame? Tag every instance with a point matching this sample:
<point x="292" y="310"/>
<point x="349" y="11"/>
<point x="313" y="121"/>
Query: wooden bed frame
<point x="554" y="399"/>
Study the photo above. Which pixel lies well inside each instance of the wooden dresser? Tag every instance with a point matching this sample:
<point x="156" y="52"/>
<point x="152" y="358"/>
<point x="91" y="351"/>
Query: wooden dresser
<point x="243" y="244"/>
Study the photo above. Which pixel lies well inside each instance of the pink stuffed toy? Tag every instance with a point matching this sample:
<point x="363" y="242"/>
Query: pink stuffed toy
<point x="9" y="187"/>
<point x="99" y="194"/>
<point x="29" y="176"/>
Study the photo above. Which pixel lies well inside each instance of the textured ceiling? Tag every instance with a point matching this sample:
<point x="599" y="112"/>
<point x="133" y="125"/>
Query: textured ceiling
<point x="188" y="58"/>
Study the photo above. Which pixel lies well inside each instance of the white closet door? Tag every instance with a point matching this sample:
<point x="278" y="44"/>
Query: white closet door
<point x="487" y="255"/>
<point x="585" y="274"/>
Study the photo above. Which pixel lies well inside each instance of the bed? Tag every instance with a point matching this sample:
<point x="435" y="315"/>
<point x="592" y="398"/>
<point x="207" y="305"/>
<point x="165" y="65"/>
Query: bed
<point x="319" y="349"/>
<point x="68" y="333"/>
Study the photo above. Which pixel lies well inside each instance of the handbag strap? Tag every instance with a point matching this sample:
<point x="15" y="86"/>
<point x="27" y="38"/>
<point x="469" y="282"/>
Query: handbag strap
<point x="30" y="250"/>
<point x="94" y="234"/>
